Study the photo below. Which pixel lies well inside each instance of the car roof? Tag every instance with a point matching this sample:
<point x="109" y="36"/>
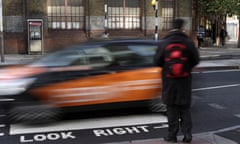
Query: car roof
<point x="109" y="40"/>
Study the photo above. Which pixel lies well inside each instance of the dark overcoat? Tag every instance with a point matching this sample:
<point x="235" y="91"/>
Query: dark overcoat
<point x="177" y="91"/>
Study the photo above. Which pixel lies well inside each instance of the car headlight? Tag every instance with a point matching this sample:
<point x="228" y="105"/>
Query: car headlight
<point x="13" y="87"/>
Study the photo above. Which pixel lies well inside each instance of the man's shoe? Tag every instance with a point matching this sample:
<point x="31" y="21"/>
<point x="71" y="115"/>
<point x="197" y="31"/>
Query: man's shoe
<point x="187" y="139"/>
<point x="168" y="139"/>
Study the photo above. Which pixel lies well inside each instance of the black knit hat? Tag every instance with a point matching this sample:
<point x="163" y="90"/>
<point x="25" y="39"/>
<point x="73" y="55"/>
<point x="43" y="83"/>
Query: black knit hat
<point x="177" y="23"/>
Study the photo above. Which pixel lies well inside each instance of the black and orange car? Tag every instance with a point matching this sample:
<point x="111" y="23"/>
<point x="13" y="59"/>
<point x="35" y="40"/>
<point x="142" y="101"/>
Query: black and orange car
<point x="91" y="76"/>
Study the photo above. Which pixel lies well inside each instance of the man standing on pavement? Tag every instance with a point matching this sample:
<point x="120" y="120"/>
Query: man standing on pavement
<point x="200" y="36"/>
<point x="177" y="55"/>
<point x="223" y="35"/>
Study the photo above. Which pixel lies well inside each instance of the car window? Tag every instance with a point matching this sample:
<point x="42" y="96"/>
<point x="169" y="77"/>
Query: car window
<point x="98" y="56"/>
<point x="132" y="54"/>
<point x="96" y="50"/>
<point x="144" y="50"/>
<point x="98" y="61"/>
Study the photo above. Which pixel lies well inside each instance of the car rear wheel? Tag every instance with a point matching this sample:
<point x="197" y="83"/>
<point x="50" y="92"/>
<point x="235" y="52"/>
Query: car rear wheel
<point x="156" y="105"/>
<point x="33" y="114"/>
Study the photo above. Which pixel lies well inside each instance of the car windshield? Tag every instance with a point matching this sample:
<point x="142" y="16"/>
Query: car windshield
<point x="61" y="58"/>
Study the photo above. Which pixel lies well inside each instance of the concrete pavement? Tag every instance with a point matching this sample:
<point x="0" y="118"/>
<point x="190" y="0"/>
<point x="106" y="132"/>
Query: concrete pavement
<point x="211" y="58"/>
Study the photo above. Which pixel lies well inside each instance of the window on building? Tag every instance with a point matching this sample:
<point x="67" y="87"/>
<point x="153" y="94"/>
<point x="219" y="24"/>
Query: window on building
<point x="124" y="14"/>
<point x="168" y="7"/>
<point x="66" y="14"/>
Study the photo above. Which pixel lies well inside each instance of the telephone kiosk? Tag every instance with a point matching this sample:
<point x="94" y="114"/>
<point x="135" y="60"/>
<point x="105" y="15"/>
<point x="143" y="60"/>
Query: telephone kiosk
<point x="35" y="36"/>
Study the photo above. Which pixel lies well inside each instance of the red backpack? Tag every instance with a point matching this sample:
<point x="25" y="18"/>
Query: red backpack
<point x="176" y="61"/>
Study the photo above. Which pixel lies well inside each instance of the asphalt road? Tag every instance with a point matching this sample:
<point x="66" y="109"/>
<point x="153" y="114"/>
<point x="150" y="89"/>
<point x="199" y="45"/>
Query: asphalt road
<point x="217" y="100"/>
<point x="216" y="106"/>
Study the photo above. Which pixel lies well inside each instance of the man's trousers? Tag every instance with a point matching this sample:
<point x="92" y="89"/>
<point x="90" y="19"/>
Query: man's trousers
<point x="179" y="116"/>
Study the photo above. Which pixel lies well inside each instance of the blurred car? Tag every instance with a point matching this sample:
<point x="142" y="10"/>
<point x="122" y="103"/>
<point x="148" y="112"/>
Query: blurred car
<point x="95" y="75"/>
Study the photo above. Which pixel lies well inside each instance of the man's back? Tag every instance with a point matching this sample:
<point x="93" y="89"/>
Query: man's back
<point x="177" y="55"/>
<point x="177" y="39"/>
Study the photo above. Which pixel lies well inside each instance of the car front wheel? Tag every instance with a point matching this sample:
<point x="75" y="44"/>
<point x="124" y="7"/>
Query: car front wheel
<point x="156" y="105"/>
<point x="33" y="114"/>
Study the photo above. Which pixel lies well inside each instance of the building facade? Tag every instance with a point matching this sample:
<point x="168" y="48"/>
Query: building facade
<point x="68" y="22"/>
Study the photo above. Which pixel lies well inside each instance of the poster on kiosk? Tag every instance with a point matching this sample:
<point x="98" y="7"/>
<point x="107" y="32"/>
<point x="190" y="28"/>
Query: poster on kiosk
<point x="35" y="36"/>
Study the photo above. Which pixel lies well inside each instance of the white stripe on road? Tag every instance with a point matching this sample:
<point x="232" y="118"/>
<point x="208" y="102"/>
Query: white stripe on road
<point x="216" y="106"/>
<point x="216" y="87"/>
<point x="210" y="56"/>
<point x="161" y="126"/>
<point x="2" y="134"/>
<point x="237" y="115"/>
<point x="217" y="71"/>
<point x="6" y="100"/>
<point x="90" y="124"/>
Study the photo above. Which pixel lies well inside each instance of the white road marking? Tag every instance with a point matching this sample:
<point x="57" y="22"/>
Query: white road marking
<point x="218" y="71"/>
<point x="161" y="126"/>
<point x="237" y="115"/>
<point x="216" y="87"/>
<point x="217" y="106"/>
<point x="211" y="56"/>
<point x="6" y="100"/>
<point x="90" y="124"/>
<point x="2" y="115"/>
<point x="2" y="126"/>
